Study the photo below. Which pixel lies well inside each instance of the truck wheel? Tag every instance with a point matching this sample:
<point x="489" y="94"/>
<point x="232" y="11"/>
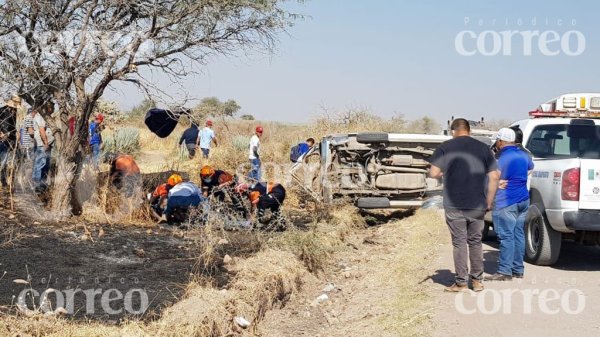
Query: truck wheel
<point x="542" y="243"/>
<point x="372" y="137"/>
<point x="485" y="233"/>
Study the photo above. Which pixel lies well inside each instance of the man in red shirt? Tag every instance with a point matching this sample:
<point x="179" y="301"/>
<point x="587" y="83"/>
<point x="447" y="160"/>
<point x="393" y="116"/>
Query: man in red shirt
<point x="124" y="174"/>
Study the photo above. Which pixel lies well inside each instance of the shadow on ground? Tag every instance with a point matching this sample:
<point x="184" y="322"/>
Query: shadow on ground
<point x="380" y="217"/>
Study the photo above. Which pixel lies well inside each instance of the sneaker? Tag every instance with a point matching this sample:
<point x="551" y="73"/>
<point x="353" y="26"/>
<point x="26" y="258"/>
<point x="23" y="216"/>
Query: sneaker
<point x="517" y="275"/>
<point x="477" y="285"/>
<point x="456" y="288"/>
<point x="498" y="277"/>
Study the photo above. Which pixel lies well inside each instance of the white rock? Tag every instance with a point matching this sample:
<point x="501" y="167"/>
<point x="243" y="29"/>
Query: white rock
<point x="329" y="288"/>
<point x="322" y="298"/>
<point x="319" y="300"/>
<point x="37" y="223"/>
<point x="223" y="242"/>
<point x="227" y="259"/>
<point x="241" y="322"/>
<point x="12" y="216"/>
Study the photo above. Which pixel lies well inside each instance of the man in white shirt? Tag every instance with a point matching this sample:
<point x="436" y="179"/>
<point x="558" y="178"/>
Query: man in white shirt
<point x="183" y="196"/>
<point x="254" y="156"/>
<point x="205" y="137"/>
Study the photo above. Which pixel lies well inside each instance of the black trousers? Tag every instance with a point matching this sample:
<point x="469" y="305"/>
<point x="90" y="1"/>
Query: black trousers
<point x="271" y="201"/>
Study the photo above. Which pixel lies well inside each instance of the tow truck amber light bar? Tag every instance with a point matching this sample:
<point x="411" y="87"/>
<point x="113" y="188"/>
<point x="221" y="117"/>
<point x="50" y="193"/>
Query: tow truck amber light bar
<point x="564" y="114"/>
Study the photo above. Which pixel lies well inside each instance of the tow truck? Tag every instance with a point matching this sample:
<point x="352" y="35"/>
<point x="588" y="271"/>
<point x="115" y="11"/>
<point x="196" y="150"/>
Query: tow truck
<point x="563" y="136"/>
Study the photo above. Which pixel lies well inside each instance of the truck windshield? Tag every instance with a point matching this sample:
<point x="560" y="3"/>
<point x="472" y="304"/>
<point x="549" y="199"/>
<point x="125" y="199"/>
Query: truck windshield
<point x="565" y="141"/>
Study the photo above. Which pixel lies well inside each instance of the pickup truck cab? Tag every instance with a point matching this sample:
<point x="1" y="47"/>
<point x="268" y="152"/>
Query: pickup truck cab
<point x="563" y="137"/>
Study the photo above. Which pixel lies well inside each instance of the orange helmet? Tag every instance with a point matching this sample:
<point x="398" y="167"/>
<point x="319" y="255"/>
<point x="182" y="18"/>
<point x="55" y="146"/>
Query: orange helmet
<point x="207" y="171"/>
<point x="254" y="196"/>
<point x="174" y="179"/>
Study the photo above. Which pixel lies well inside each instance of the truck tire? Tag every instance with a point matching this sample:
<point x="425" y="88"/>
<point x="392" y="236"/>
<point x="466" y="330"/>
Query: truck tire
<point x="542" y="242"/>
<point x="373" y="203"/>
<point x="372" y="137"/>
<point x="485" y="233"/>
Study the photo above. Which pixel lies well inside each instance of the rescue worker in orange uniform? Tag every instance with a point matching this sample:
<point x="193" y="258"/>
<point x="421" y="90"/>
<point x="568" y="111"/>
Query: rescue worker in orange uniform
<point x="265" y="196"/>
<point x="158" y="202"/>
<point x="214" y="181"/>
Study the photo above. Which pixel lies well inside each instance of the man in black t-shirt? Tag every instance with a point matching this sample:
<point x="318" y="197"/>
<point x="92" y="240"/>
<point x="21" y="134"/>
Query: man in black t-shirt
<point x="470" y="178"/>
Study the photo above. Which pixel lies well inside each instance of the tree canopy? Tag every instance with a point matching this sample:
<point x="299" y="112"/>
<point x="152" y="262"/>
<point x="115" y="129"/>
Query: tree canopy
<point x="213" y="107"/>
<point x="70" y="51"/>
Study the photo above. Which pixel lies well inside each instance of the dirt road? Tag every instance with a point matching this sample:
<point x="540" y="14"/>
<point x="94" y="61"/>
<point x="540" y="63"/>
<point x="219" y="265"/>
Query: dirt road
<point x="561" y="300"/>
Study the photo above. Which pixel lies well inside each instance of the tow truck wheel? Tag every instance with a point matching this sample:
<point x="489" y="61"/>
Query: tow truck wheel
<point x="542" y="243"/>
<point x="485" y="233"/>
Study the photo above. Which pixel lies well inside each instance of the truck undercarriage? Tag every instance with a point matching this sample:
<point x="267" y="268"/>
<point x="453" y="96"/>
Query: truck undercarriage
<point x="377" y="170"/>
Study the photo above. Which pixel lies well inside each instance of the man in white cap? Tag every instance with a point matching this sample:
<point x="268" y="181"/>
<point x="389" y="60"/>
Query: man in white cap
<point x="8" y="134"/>
<point x="511" y="206"/>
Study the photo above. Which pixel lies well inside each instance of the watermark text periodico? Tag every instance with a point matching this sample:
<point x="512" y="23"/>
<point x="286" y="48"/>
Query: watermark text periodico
<point x="519" y="36"/>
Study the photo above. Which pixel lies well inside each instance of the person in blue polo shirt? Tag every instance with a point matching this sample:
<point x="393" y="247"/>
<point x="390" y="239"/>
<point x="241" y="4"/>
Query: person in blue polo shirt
<point x="512" y="204"/>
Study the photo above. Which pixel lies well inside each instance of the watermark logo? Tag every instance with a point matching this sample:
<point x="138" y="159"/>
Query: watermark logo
<point x="521" y="301"/>
<point x="111" y="301"/>
<point x="527" y="39"/>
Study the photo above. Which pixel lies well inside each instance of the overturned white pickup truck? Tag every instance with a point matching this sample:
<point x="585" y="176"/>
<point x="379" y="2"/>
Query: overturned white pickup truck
<point x="377" y="170"/>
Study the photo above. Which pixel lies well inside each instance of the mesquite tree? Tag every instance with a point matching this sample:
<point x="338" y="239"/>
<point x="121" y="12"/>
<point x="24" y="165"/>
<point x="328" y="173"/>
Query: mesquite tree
<point x="70" y="51"/>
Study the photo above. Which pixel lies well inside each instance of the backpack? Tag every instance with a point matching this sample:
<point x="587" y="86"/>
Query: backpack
<point x="297" y="151"/>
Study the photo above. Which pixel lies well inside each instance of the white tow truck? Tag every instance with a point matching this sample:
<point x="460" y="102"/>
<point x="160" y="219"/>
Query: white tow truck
<point x="563" y="136"/>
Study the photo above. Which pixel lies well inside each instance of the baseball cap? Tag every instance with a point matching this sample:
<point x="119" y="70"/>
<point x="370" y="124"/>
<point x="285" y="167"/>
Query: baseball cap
<point x="506" y="134"/>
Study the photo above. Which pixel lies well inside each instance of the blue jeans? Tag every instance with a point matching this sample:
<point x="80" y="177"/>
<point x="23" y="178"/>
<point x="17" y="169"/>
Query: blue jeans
<point x="41" y="166"/>
<point x="205" y="152"/>
<point x="4" y="155"/>
<point x="255" y="173"/>
<point x="96" y="149"/>
<point x="508" y="225"/>
<point x="182" y="202"/>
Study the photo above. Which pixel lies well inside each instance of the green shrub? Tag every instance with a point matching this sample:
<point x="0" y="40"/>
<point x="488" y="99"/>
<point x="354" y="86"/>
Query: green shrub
<point x="240" y="143"/>
<point x="123" y="140"/>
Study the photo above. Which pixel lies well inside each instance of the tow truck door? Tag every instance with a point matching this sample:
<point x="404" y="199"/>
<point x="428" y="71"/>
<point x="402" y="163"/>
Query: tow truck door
<point x="589" y="190"/>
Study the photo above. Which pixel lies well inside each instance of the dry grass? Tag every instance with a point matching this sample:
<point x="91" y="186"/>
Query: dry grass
<point x="423" y="234"/>
<point x="269" y="277"/>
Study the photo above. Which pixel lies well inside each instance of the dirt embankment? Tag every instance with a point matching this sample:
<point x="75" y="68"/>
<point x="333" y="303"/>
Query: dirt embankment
<point x="373" y="288"/>
<point x="336" y="277"/>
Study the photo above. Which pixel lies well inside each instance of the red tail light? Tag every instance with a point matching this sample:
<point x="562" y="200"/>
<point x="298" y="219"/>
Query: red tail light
<point x="570" y="184"/>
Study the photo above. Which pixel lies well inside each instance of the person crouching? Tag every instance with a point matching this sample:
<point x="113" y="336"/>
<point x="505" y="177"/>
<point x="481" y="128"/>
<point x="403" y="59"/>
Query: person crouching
<point x="158" y="202"/>
<point x="265" y="196"/>
<point x="124" y="174"/>
<point x="180" y="198"/>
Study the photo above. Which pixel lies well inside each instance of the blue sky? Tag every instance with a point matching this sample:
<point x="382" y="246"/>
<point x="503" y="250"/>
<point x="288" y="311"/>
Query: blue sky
<point x="400" y="57"/>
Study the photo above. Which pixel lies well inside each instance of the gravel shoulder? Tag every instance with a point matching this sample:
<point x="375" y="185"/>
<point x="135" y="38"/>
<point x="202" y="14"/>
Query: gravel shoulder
<point x="560" y="300"/>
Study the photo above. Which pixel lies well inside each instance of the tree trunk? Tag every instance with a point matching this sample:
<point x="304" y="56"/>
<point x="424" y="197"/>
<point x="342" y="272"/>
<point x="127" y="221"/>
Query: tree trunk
<point x="65" y="200"/>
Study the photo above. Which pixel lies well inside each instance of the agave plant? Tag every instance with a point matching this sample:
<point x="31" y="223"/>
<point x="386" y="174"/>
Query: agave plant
<point x="123" y="140"/>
